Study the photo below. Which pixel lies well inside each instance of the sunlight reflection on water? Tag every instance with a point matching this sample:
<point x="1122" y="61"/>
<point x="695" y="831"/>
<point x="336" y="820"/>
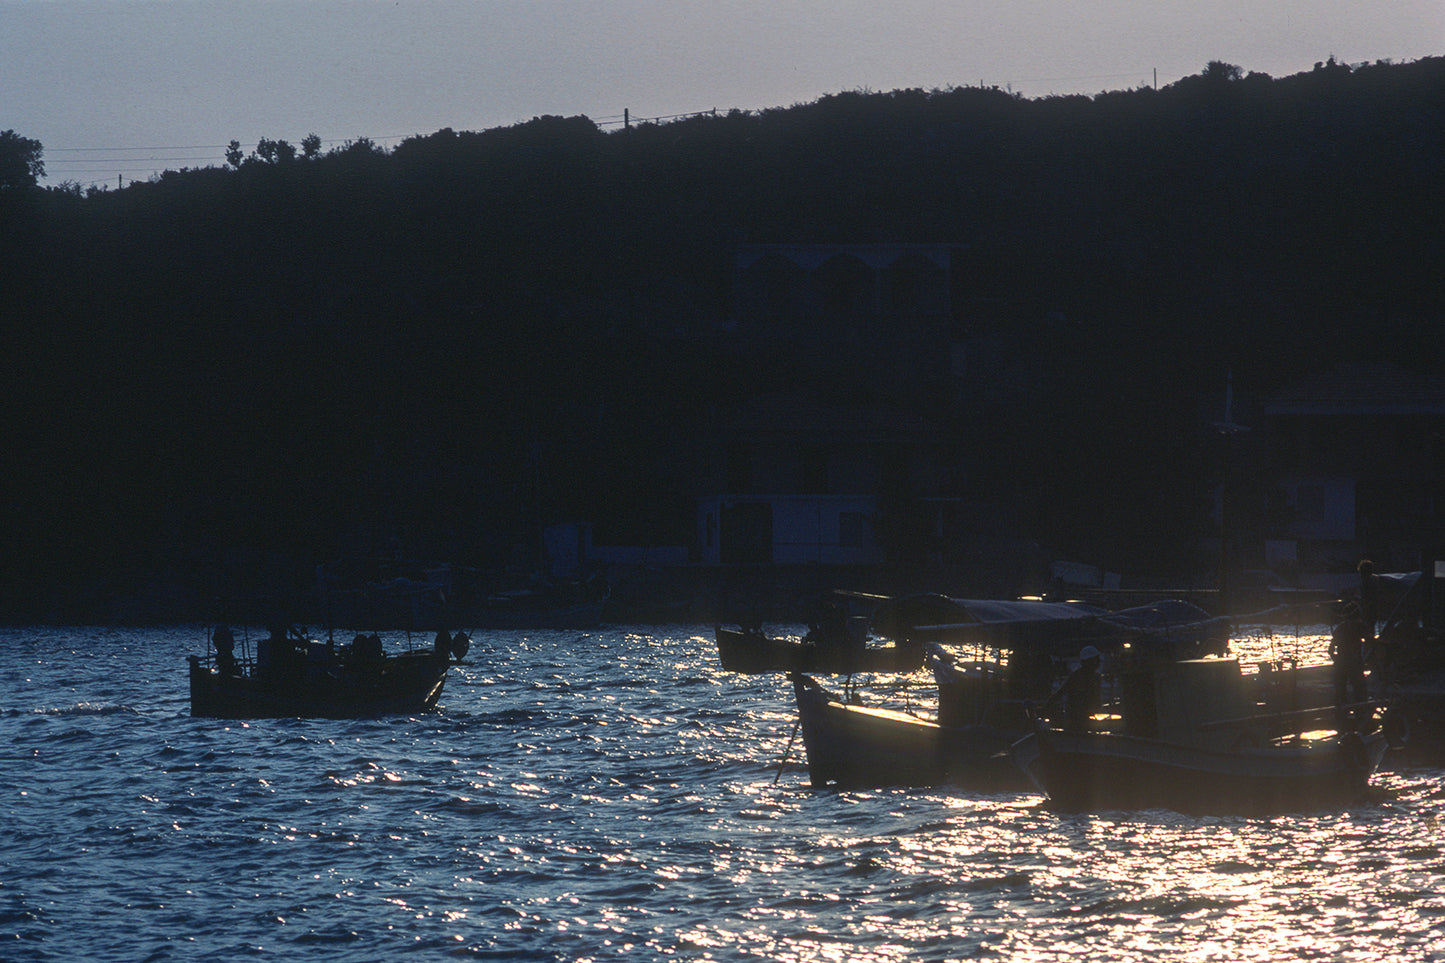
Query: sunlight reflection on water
<point x="1308" y="645"/>
<point x="615" y="795"/>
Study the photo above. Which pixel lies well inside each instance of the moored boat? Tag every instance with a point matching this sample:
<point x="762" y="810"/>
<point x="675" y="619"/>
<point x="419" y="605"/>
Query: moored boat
<point x="855" y="746"/>
<point x="1191" y="739"/>
<point x="1096" y="771"/>
<point x="751" y="650"/>
<point x="293" y="676"/>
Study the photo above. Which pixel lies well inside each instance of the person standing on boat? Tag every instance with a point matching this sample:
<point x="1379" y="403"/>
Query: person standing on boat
<point x="225" y="642"/>
<point x="367" y="656"/>
<point x="276" y="655"/>
<point x="1347" y="653"/>
<point x="1081" y="695"/>
<point x="1369" y="597"/>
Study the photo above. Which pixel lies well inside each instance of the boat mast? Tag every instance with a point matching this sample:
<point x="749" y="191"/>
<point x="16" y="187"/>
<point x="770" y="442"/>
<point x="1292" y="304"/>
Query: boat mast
<point x="1228" y="429"/>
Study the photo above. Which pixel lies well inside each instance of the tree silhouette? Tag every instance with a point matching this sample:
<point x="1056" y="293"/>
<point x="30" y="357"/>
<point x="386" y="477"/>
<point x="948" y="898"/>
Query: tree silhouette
<point x="376" y="340"/>
<point x="20" y="163"/>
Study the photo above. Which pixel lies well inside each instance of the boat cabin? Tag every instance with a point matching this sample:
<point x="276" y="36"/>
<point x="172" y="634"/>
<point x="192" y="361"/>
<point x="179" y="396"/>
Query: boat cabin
<point x="1184" y="702"/>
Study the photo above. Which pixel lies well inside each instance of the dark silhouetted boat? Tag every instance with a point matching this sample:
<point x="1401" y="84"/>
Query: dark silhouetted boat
<point x="855" y="746"/>
<point x="1192" y="740"/>
<point x="293" y="676"/>
<point x="753" y="651"/>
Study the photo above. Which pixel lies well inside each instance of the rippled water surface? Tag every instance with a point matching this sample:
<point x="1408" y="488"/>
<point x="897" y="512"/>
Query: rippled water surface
<point x="616" y="795"/>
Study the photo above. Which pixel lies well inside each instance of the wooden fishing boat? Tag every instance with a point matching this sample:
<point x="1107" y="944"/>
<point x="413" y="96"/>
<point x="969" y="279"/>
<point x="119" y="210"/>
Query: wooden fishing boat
<point x="753" y="651"/>
<point x="1192" y="740"/>
<point x="855" y="746"/>
<point x="293" y="676"/>
<point x="1092" y="772"/>
<point x="1407" y="659"/>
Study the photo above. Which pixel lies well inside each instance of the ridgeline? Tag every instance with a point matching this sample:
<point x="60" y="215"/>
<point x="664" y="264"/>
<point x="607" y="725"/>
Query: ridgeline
<point x="435" y="348"/>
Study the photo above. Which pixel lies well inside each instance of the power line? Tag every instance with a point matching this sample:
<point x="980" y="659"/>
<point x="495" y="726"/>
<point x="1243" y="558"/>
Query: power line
<point x="128" y="160"/>
<point x="108" y="171"/>
<point x="64" y="165"/>
<point x="78" y="164"/>
<point x="601" y="121"/>
<point x="58" y="150"/>
<point x="334" y="140"/>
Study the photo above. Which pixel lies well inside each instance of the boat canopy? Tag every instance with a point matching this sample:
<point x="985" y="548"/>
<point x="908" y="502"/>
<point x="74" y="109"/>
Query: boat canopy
<point x="1002" y="622"/>
<point x="995" y="611"/>
<point x="1403" y="597"/>
<point x="1056" y="626"/>
<point x="909" y="614"/>
<point x="1163" y="615"/>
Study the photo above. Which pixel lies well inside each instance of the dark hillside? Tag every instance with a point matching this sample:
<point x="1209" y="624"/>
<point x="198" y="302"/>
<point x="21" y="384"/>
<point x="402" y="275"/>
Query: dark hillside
<point x="436" y="347"/>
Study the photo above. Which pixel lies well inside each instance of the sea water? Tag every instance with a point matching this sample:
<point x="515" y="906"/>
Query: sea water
<point x="609" y="795"/>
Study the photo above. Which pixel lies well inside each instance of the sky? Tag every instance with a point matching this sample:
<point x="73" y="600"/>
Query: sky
<point x="119" y="90"/>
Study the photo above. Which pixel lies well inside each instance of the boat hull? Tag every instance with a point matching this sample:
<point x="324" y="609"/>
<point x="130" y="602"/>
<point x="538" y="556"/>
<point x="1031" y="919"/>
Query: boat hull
<point x="1091" y="772"/>
<point x="850" y="746"/>
<point x="752" y="652"/>
<point x="411" y="682"/>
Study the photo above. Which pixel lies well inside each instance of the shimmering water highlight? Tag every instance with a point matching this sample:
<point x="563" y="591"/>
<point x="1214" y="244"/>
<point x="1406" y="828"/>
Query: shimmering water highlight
<point x="616" y="795"/>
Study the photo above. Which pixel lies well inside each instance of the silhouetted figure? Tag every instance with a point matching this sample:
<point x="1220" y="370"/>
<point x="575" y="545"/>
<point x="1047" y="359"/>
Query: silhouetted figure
<point x="1369" y="597"/>
<point x="1383" y="657"/>
<point x="1347" y="653"/>
<point x="1081" y="695"/>
<point x="367" y="655"/>
<point x="277" y="655"/>
<point x="225" y="642"/>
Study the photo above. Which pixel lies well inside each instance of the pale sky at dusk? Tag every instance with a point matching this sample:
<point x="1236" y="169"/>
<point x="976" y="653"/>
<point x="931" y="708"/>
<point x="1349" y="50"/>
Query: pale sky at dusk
<point x="133" y="87"/>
